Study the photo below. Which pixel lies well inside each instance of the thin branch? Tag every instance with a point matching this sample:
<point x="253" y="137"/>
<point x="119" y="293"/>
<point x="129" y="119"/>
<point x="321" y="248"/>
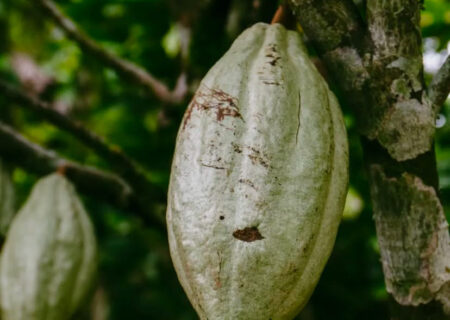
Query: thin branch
<point x="440" y="86"/>
<point x="124" y="166"/>
<point x="124" y="67"/>
<point x="90" y="181"/>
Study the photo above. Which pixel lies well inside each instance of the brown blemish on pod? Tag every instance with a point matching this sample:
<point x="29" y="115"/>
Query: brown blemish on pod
<point x="218" y="100"/>
<point x="248" y="234"/>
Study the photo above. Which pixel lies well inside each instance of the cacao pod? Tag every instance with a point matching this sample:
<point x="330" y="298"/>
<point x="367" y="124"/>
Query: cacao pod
<point x="258" y="181"/>
<point x="49" y="257"/>
<point x="6" y="198"/>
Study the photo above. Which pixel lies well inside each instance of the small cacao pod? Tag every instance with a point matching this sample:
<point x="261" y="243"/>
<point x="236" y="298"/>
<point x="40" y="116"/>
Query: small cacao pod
<point x="49" y="257"/>
<point x="7" y="198"/>
<point x="258" y="181"/>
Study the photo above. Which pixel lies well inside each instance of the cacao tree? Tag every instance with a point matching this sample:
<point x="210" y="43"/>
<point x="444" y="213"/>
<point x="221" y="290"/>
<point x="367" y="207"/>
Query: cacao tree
<point x="97" y="90"/>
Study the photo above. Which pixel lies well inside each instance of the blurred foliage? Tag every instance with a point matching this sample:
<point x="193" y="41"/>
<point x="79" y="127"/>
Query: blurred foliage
<point x="136" y="278"/>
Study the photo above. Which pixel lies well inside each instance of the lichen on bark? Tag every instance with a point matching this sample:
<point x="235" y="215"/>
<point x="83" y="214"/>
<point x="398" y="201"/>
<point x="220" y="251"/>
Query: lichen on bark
<point x="407" y="129"/>
<point x="377" y="65"/>
<point x="413" y="237"/>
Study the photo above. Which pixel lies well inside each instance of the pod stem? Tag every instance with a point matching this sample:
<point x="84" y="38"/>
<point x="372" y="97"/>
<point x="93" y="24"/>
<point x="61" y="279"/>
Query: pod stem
<point x="284" y="16"/>
<point x="61" y="170"/>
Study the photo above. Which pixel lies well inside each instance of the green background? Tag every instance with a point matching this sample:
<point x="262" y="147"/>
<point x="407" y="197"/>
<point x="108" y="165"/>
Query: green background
<point x="136" y="279"/>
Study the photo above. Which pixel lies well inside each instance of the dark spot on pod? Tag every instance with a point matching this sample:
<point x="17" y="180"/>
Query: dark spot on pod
<point x="248" y="234"/>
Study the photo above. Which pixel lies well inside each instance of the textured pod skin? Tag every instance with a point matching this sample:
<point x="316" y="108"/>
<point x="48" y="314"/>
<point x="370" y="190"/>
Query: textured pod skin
<point x="258" y="181"/>
<point x="49" y="257"/>
<point x="7" y="198"/>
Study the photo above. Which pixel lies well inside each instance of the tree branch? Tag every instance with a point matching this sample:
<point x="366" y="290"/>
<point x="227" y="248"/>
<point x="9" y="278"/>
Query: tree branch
<point x="98" y="184"/>
<point x="124" y="166"/>
<point x="440" y="86"/>
<point x="124" y="67"/>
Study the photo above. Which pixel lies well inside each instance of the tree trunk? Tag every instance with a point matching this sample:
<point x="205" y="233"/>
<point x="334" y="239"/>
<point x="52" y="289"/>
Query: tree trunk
<point x="377" y="64"/>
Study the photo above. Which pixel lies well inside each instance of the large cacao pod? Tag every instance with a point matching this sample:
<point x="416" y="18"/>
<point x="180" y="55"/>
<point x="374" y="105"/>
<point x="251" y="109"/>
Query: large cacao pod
<point x="49" y="257"/>
<point x="258" y="181"/>
<point x="7" y="198"/>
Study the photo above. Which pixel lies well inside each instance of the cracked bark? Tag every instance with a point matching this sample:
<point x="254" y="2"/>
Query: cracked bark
<point x="406" y="124"/>
<point x="413" y="231"/>
<point x="378" y="68"/>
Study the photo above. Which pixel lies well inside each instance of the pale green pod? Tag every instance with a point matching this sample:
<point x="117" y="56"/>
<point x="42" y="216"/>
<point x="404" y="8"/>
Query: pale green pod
<point x="7" y="198"/>
<point x="258" y="181"/>
<point x="49" y="257"/>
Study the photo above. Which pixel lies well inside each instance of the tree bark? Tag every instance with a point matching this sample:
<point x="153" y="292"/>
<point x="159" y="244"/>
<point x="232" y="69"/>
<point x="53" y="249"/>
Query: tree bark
<point x="378" y="68"/>
<point x="440" y="86"/>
